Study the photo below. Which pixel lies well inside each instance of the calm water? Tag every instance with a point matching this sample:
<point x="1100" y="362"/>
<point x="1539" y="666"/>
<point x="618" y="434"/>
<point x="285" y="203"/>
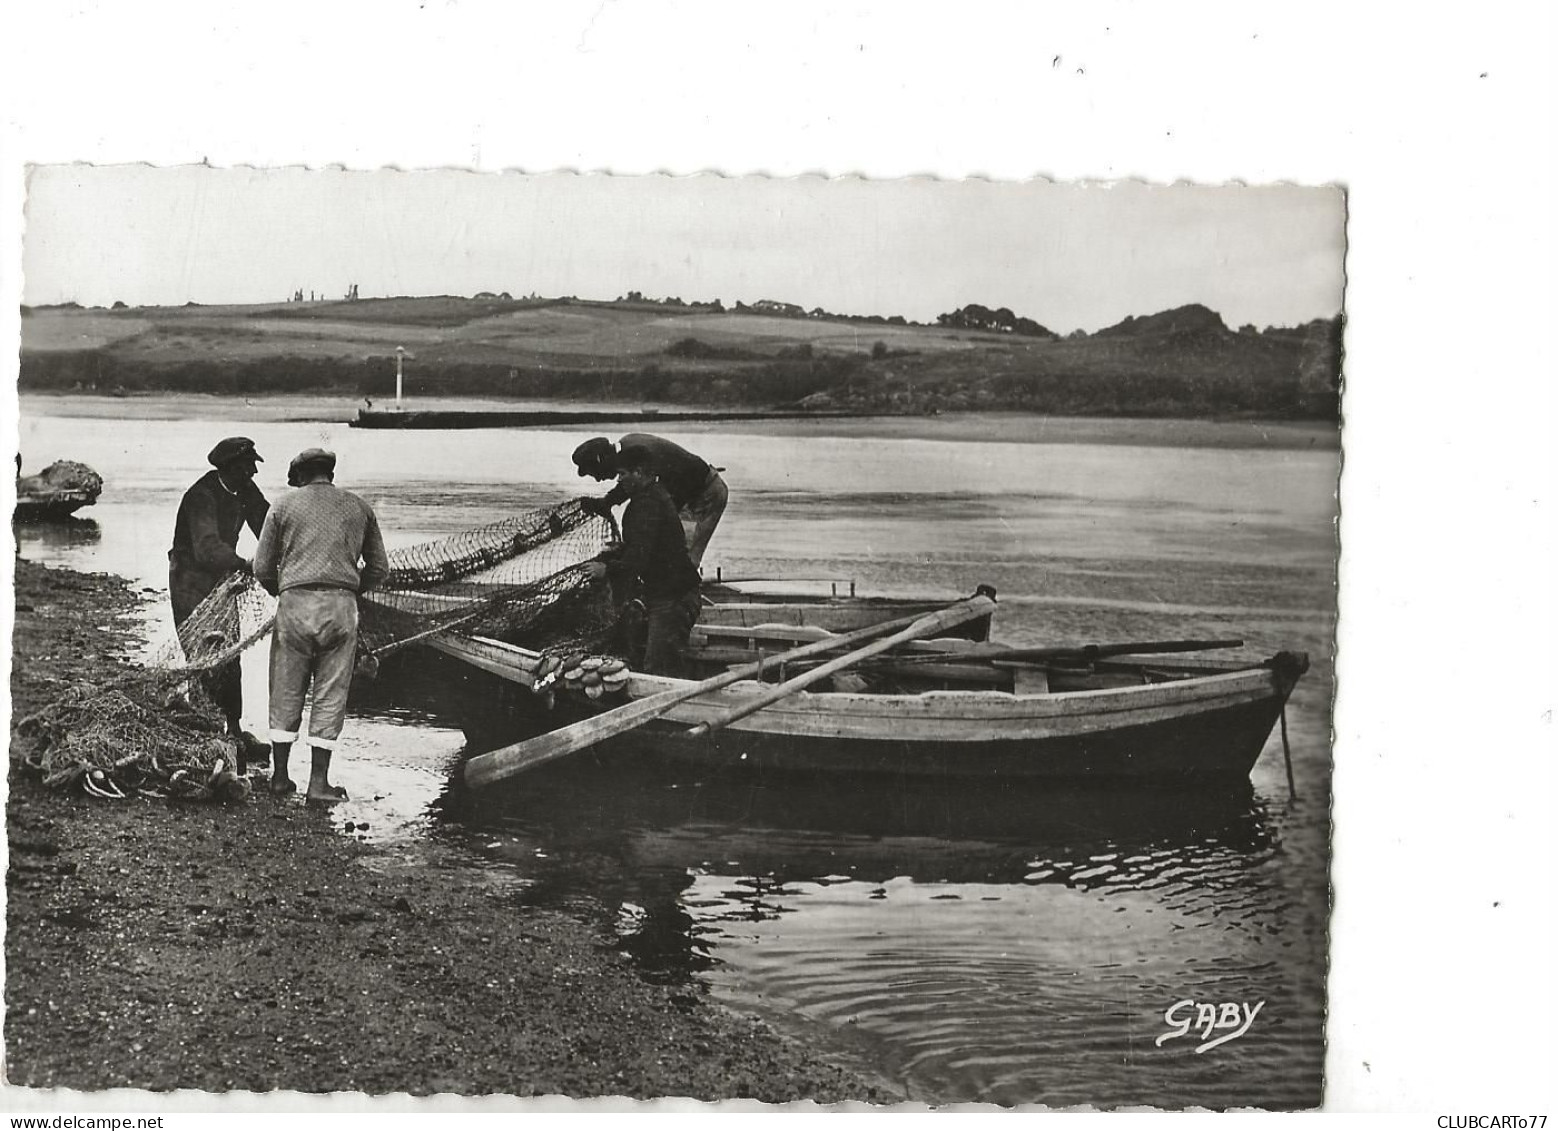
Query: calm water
<point x="981" y="944"/>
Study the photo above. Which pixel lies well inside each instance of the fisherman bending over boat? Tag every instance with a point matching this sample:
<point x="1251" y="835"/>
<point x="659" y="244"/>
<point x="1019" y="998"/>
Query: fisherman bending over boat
<point x="697" y="492"/>
<point x="319" y="549"/>
<point x="211" y="515"/>
<point x="653" y="560"/>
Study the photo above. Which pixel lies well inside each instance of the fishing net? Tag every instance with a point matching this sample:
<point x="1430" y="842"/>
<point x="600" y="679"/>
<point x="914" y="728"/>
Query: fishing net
<point x="157" y="731"/>
<point x="520" y="580"/>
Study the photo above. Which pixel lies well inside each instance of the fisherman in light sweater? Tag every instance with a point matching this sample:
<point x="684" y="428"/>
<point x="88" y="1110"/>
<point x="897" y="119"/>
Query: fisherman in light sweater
<point x="320" y="547"/>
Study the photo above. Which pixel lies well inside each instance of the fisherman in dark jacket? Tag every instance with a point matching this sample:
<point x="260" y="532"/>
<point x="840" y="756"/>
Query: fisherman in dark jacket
<point x="696" y="488"/>
<point x="211" y="515"/>
<point x="653" y="560"/>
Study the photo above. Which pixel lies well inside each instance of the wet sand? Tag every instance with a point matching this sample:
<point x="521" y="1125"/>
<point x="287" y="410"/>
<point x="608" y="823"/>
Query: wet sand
<point x="251" y="948"/>
<point x="1000" y="427"/>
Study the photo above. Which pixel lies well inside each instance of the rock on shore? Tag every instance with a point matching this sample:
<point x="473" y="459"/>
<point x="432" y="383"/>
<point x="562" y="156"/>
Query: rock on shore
<point x="248" y="947"/>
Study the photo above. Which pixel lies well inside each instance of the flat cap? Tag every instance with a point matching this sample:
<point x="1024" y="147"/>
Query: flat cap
<point x="308" y="456"/>
<point x="592" y="453"/>
<point x="232" y="448"/>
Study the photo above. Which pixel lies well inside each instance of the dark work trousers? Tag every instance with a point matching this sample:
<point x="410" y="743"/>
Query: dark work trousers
<point x="702" y="514"/>
<point x="188" y="585"/>
<point x="670" y="623"/>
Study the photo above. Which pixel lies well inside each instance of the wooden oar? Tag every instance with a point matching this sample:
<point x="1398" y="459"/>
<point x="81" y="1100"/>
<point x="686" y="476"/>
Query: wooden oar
<point x="927" y="625"/>
<point x="484" y="769"/>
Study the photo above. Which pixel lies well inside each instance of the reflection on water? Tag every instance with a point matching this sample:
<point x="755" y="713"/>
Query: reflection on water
<point x="975" y="937"/>
<point x="53" y="541"/>
<point x="651" y="816"/>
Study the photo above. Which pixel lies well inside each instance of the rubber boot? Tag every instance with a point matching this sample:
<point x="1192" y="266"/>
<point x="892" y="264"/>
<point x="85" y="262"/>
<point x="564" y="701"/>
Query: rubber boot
<point x="280" y="755"/>
<point x="256" y="752"/>
<point x="235" y="732"/>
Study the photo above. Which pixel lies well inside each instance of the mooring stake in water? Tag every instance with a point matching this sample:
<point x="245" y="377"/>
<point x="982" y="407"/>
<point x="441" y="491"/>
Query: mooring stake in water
<point x="1287" y="753"/>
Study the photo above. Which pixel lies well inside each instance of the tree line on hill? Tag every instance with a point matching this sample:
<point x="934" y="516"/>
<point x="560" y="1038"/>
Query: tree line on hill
<point x="1180" y="362"/>
<point x="1002" y="321"/>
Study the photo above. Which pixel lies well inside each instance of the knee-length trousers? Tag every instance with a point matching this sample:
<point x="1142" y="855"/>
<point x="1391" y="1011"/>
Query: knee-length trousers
<point x="314" y="642"/>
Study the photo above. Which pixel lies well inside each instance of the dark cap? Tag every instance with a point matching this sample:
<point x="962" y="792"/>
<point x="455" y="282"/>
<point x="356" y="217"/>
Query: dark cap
<point x="233" y="448"/>
<point x="308" y="457"/>
<point x="592" y="453"/>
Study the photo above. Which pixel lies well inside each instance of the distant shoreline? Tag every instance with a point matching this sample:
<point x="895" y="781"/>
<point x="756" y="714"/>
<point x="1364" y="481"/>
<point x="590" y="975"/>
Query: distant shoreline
<point x="990" y="427"/>
<point x="1184" y="362"/>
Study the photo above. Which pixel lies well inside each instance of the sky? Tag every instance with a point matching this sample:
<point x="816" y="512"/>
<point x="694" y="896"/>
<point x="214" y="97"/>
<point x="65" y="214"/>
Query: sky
<point x="1071" y="256"/>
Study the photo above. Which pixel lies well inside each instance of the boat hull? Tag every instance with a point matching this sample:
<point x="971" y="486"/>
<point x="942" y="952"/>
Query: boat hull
<point x="501" y="418"/>
<point x="1221" y="743"/>
<point x="42" y="510"/>
<point x="1207" y="727"/>
<point x="59" y="491"/>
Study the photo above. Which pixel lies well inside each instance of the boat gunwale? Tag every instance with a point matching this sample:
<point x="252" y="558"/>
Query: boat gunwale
<point x="1206" y="690"/>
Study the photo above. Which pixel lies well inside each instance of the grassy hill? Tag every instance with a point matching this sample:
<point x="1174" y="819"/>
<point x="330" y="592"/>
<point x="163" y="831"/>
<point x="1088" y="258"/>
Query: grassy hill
<point x="1175" y="363"/>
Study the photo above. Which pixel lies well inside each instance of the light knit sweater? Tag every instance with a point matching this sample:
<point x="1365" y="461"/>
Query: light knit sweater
<point x="321" y="535"/>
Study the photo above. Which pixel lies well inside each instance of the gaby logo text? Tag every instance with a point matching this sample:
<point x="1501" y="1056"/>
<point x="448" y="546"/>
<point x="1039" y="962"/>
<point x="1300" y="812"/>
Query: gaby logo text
<point x="1229" y="1018"/>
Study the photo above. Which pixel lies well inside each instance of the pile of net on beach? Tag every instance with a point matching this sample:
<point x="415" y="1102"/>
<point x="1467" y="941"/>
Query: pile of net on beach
<point x="156" y="731"/>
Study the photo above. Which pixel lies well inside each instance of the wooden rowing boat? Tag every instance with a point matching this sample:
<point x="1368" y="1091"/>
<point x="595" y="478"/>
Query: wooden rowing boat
<point x="448" y="419"/>
<point x="59" y="491"/>
<point x="34" y="507"/>
<point x="926" y="711"/>
<point x="726" y="605"/>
